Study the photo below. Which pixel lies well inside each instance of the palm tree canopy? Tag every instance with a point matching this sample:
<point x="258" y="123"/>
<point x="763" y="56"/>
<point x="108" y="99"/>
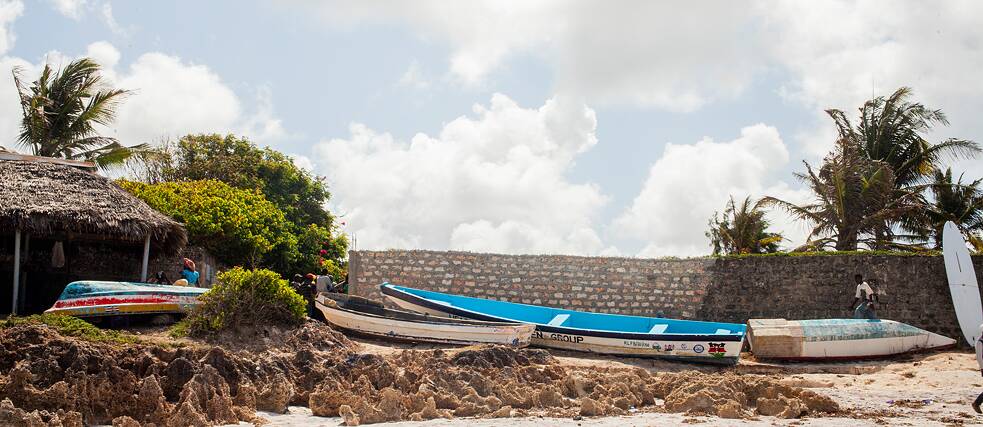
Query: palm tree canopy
<point x="894" y="130"/>
<point x="61" y="110"/>
<point x="743" y="229"/>
<point x="961" y="203"/>
<point x="854" y="198"/>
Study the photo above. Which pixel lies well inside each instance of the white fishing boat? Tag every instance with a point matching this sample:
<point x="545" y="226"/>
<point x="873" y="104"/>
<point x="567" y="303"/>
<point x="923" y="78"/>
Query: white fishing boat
<point x="838" y="339"/>
<point x="370" y="318"/>
<point x="687" y="340"/>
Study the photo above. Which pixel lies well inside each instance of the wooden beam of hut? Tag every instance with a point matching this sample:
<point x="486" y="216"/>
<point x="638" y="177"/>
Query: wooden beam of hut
<point x="146" y="259"/>
<point x="13" y="306"/>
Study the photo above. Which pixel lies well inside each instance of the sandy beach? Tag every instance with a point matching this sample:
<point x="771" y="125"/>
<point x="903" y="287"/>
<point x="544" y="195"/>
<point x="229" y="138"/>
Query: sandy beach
<point x="922" y="389"/>
<point x="315" y="375"/>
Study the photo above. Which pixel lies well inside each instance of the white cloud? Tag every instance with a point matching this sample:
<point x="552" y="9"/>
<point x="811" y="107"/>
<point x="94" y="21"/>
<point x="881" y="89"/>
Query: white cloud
<point x="840" y="53"/>
<point x="413" y="77"/>
<point x="492" y="182"/>
<point x="692" y="181"/>
<point x="10" y="10"/>
<point x="263" y="123"/>
<point x="674" y="56"/>
<point x="69" y="8"/>
<point x="169" y="98"/>
<point x="303" y="162"/>
<point x="106" y="14"/>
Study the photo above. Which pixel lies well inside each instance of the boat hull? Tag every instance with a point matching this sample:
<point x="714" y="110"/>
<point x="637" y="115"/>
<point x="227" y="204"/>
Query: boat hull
<point x="413" y="327"/>
<point x="838" y="339"/>
<point x="92" y="299"/>
<point x="706" y="348"/>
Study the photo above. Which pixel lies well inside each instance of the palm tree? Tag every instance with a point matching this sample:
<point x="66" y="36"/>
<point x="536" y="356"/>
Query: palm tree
<point x="893" y="130"/>
<point x="956" y="202"/>
<point x="742" y="230"/>
<point x="61" y="110"/>
<point x="855" y="198"/>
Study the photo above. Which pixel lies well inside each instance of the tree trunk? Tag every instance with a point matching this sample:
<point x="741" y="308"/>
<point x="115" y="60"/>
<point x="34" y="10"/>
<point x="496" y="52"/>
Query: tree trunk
<point x="846" y="240"/>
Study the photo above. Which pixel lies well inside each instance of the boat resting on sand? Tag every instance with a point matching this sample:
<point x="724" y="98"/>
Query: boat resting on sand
<point x="589" y="332"/>
<point x="370" y="318"/>
<point x="838" y="339"/>
<point x="88" y="299"/>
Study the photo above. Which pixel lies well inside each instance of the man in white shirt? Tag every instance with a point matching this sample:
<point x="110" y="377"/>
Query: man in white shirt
<point x="324" y="284"/>
<point x="864" y="296"/>
<point x="979" y="361"/>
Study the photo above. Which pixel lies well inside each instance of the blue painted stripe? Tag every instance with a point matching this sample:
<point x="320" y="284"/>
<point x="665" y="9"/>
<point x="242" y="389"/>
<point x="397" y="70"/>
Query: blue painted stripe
<point x="88" y="288"/>
<point x="597" y="324"/>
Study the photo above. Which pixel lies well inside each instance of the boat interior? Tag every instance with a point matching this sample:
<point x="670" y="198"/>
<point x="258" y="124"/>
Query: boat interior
<point x="558" y="317"/>
<point x="367" y="306"/>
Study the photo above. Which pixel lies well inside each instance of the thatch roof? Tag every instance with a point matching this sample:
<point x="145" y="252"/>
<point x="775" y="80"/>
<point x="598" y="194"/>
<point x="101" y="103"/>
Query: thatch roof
<point x="44" y="198"/>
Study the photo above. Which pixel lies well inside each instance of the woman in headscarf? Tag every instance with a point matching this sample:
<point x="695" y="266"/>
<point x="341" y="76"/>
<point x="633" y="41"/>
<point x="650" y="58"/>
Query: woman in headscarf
<point x="189" y="273"/>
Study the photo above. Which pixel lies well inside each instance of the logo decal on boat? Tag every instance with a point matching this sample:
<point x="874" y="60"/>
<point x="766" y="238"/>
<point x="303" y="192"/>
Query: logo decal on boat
<point x="559" y="337"/>
<point x="698" y="348"/>
<point x="717" y="349"/>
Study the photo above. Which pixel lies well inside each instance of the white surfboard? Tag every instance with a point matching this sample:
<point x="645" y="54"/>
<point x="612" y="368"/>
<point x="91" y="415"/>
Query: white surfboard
<point x="962" y="282"/>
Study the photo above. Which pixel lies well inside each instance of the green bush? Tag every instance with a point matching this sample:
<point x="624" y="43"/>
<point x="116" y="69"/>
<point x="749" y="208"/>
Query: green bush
<point x="245" y="298"/>
<point x="71" y="327"/>
<point x="238" y="226"/>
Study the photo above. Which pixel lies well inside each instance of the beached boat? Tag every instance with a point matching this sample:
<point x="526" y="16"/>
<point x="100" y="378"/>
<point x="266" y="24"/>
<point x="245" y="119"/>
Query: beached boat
<point x="371" y="318"/>
<point x="615" y="334"/>
<point x="838" y="339"/>
<point x="100" y="299"/>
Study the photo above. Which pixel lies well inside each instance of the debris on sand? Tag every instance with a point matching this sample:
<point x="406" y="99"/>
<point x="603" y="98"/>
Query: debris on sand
<point x="46" y="378"/>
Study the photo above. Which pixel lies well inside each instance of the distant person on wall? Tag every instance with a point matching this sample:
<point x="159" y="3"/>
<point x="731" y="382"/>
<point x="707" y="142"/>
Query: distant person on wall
<point x="979" y="361"/>
<point x="188" y="272"/>
<point x="863" y="301"/>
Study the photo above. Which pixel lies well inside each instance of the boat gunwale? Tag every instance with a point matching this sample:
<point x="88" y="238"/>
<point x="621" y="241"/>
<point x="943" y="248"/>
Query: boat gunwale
<point x="156" y="288"/>
<point x="390" y="290"/>
<point x="450" y="322"/>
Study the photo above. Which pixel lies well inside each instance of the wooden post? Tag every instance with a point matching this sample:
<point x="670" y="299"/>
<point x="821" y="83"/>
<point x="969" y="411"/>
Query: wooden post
<point x="146" y="259"/>
<point x="13" y="305"/>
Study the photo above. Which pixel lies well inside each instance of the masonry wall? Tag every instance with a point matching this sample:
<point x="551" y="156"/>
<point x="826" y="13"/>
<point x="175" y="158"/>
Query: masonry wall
<point x="734" y="290"/>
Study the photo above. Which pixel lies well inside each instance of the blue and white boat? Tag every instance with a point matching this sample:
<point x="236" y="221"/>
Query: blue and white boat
<point x="615" y="334"/>
<point x="90" y="298"/>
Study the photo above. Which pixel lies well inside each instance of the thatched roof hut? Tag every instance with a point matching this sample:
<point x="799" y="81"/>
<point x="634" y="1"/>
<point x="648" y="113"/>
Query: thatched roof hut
<point x="83" y="218"/>
<point x="43" y="198"/>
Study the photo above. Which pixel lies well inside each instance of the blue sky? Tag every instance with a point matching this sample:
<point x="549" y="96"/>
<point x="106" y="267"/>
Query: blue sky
<point x="547" y="127"/>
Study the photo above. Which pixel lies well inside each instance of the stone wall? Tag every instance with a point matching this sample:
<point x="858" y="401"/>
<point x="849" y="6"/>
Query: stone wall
<point x="734" y="290"/>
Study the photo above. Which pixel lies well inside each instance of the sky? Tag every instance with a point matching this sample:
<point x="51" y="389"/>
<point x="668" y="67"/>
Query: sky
<point x="558" y="127"/>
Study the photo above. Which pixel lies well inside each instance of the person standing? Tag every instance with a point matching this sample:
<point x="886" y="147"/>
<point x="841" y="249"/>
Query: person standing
<point x="310" y="294"/>
<point x="865" y="297"/>
<point x="979" y="361"/>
